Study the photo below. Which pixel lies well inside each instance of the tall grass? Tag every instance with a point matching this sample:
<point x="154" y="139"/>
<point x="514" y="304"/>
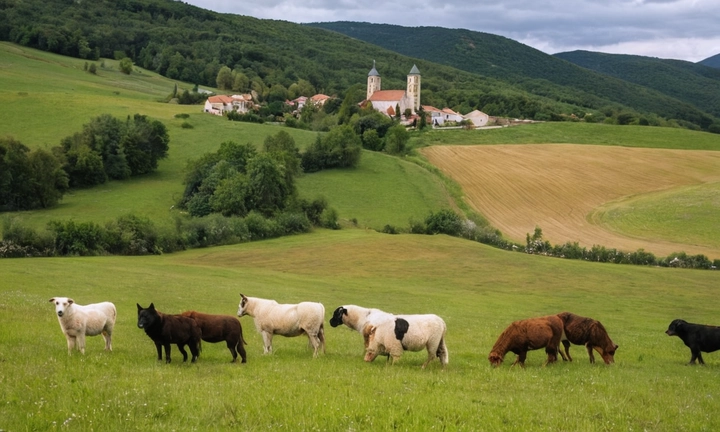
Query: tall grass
<point x="476" y="289"/>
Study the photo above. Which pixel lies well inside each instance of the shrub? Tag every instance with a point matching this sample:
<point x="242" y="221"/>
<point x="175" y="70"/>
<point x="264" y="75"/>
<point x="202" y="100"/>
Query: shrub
<point x="83" y="238"/>
<point x="293" y="223"/>
<point x="389" y="229"/>
<point x="329" y="219"/>
<point x="445" y="221"/>
<point x="259" y="227"/>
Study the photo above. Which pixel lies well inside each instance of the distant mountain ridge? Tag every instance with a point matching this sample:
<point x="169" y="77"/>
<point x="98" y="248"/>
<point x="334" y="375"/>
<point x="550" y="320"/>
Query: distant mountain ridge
<point x="693" y="83"/>
<point x="502" y="58"/>
<point x="713" y="61"/>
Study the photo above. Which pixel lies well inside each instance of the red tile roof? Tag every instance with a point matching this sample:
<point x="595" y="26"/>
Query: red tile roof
<point x="387" y="95"/>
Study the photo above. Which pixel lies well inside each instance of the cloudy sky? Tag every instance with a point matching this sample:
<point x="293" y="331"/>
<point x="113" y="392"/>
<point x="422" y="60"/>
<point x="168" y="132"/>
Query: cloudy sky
<point x="675" y="29"/>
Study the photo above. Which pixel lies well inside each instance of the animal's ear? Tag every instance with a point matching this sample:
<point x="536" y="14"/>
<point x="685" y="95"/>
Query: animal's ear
<point x="52" y="300"/>
<point x="71" y="301"/>
<point x="139" y="307"/>
<point x="617" y="346"/>
<point x="152" y="306"/>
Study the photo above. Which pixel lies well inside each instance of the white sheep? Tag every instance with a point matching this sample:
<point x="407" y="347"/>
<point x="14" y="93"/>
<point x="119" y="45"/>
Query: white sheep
<point x="289" y="320"/>
<point x="78" y="321"/>
<point x="357" y="317"/>
<point x="407" y="333"/>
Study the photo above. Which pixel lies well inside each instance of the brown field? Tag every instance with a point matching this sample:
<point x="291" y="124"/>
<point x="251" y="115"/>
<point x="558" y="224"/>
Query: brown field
<point x="556" y="186"/>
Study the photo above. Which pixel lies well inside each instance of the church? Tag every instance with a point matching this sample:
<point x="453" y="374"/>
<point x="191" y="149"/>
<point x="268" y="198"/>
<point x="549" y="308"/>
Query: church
<point x="387" y="101"/>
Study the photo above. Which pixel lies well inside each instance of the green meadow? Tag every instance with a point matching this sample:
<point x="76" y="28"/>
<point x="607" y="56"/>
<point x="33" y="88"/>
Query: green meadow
<point x="478" y="290"/>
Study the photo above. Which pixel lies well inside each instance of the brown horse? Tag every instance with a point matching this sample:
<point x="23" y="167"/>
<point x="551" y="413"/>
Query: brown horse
<point x="165" y="329"/>
<point x="589" y="332"/>
<point x="525" y="335"/>
<point x="219" y="328"/>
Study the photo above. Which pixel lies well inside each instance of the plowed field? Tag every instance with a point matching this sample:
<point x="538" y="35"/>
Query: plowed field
<point x="556" y="186"/>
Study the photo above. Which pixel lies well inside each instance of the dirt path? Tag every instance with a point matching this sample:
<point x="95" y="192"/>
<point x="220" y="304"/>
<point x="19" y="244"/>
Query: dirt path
<point x="556" y="186"/>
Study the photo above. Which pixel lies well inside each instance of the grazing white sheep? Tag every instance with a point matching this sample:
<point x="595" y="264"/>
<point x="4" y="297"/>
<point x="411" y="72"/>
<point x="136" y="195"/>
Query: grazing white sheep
<point x="78" y="321"/>
<point x="407" y="333"/>
<point x="357" y="317"/>
<point x="289" y="320"/>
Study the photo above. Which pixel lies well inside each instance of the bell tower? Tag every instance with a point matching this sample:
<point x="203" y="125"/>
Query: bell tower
<point x="373" y="82"/>
<point x="413" y="87"/>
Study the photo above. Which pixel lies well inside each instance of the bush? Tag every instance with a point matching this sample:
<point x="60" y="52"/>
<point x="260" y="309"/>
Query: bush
<point x="83" y="238"/>
<point x="131" y="235"/>
<point x="329" y="219"/>
<point x="389" y="229"/>
<point x="259" y="227"/>
<point x="293" y="223"/>
<point x="445" y="221"/>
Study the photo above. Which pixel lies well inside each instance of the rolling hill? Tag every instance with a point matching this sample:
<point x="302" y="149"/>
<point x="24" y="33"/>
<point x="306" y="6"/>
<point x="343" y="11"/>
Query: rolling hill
<point x="713" y="61"/>
<point x="695" y="84"/>
<point x="465" y="70"/>
<point x="528" y="68"/>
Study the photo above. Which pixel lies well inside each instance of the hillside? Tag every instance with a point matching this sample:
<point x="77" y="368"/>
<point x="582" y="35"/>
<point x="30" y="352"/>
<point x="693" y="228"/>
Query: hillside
<point x="713" y="61"/>
<point x="695" y="84"/>
<point x="526" y="67"/>
<point x="183" y="42"/>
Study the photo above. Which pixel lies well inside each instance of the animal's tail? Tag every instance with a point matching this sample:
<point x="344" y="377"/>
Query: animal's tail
<point x="442" y="353"/>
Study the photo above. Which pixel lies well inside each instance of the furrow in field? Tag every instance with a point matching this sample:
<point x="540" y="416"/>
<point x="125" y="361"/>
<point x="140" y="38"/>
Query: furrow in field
<point x="556" y="186"/>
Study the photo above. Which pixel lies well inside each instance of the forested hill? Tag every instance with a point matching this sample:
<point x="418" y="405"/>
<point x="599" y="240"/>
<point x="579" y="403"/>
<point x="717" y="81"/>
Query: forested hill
<point x="277" y="59"/>
<point x="713" y="61"/>
<point x="506" y="59"/>
<point x="693" y="83"/>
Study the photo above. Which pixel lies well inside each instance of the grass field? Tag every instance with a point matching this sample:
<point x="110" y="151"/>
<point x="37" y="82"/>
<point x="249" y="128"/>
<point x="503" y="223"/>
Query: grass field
<point x="478" y="291"/>
<point x="558" y="187"/>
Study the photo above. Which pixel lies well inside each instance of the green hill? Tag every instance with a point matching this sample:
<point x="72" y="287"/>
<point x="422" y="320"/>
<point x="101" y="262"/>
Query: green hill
<point x="713" y="61"/>
<point x="695" y="84"/>
<point x="528" y="68"/>
<point x="461" y="69"/>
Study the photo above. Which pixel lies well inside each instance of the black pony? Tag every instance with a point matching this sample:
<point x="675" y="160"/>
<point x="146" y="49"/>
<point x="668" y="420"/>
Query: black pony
<point x="166" y="329"/>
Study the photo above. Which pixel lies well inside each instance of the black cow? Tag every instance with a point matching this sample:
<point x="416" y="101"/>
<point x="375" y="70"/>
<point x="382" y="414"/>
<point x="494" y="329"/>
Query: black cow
<point x="698" y="337"/>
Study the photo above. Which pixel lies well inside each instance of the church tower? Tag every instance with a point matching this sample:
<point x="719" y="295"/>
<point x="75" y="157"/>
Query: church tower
<point x="373" y="82"/>
<point x="413" y="87"/>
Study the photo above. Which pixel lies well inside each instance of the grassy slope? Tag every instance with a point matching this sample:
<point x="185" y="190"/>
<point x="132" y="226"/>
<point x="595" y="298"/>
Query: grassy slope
<point x="476" y="289"/>
<point x="30" y="78"/>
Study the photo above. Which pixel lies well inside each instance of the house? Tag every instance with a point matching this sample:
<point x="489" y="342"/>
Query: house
<point x="388" y="101"/>
<point x="451" y="116"/>
<point x="221" y="104"/>
<point x="319" y="99"/>
<point x="478" y="118"/>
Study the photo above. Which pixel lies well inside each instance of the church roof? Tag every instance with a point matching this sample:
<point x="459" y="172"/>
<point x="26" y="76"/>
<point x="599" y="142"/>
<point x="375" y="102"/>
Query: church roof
<point x="414" y="71"/>
<point x="373" y="71"/>
<point x="387" y="95"/>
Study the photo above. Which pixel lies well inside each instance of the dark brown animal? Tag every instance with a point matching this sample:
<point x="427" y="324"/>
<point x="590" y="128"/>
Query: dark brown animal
<point x="589" y="332"/>
<point x="525" y="335"/>
<point x="165" y="329"/>
<point x="221" y="328"/>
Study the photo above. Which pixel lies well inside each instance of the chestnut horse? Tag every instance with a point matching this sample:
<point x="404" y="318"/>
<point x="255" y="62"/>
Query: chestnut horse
<point x="525" y="335"/>
<point x="589" y="332"/>
<point x="221" y="328"/>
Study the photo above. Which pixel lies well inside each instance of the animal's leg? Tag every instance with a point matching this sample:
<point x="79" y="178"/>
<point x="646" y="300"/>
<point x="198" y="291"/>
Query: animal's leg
<point x="108" y="340"/>
<point x="551" y="354"/>
<point x="167" y="353"/>
<point x="520" y="359"/>
<point x="194" y="350"/>
<point x="589" y="348"/>
<point x="321" y="337"/>
<point x="241" y="350"/>
<point x="442" y="353"/>
<point x="696" y="354"/>
<point x="70" y="343"/>
<point x="181" y="347"/>
<point x="231" y="344"/>
<point x="314" y="341"/>
<point x="566" y="346"/>
<point x="267" y="342"/>
<point x="81" y="341"/>
<point x="158" y="347"/>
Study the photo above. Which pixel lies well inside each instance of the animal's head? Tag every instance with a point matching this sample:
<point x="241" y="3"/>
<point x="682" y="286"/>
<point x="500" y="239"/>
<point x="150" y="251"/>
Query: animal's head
<point x="62" y="304"/>
<point x="675" y="327"/>
<point x="495" y="359"/>
<point x="371" y="348"/>
<point x="242" y="307"/>
<point x="338" y="315"/>
<point x="608" y="355"/>
<point x="147" y="317"/>
<point x="602" y="342"/>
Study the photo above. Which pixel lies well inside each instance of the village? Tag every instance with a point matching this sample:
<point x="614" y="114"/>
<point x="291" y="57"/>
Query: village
<point x="401" y="104"/>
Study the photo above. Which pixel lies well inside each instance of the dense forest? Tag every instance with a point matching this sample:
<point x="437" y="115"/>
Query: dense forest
<point x="713" y="61"/>
<point x="692" y="83"/>
<point x="278" y="60"/>
<point x="534" y="71"/>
